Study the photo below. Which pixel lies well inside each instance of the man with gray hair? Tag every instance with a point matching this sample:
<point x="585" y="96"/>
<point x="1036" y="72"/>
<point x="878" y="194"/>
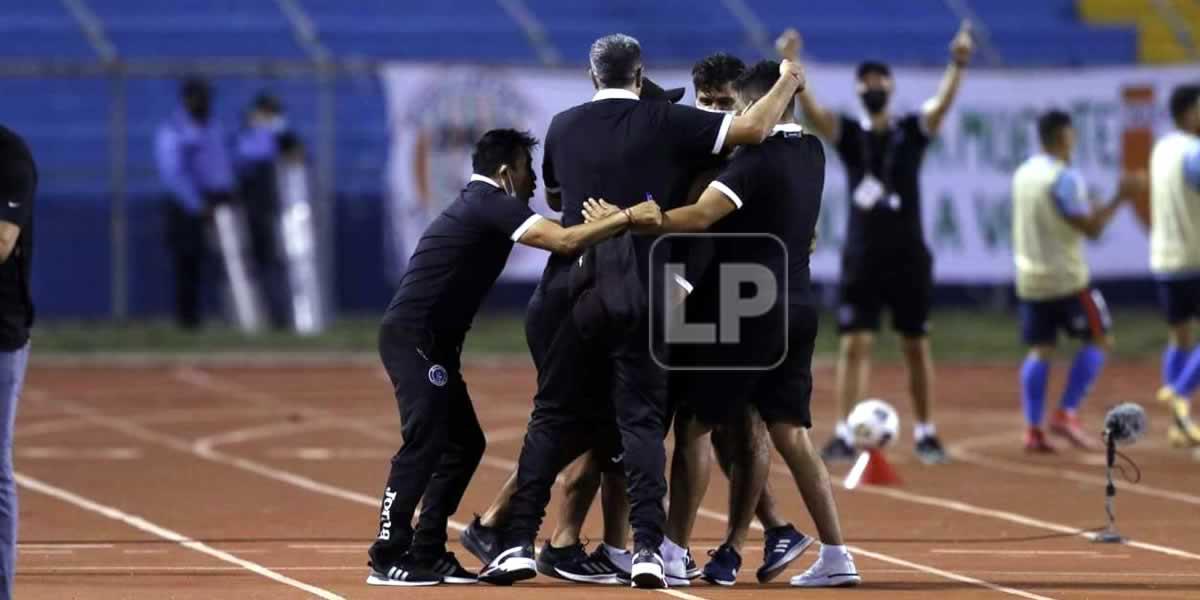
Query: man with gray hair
<point x="623" y="150"/>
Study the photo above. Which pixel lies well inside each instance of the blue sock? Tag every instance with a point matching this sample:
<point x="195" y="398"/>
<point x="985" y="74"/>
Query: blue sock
<point x="1173" y="360"/>
<point x="1034" y="373"/>
<point x="1189" y="377"/>
<point x="1084" y="370"/>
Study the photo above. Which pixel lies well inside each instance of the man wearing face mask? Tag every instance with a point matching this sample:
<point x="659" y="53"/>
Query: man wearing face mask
<point x="453" y="267"/>
<point x="193" y="162"/>
<point x="255" y="151"/>
<point x="885" y="262"/>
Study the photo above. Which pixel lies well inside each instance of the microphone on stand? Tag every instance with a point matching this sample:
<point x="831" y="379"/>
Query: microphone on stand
<point x="1123" y="425"/>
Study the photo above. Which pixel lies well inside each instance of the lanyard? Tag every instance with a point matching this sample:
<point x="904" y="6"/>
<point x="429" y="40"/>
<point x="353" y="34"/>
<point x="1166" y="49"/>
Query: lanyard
<point x="889" y="154"/>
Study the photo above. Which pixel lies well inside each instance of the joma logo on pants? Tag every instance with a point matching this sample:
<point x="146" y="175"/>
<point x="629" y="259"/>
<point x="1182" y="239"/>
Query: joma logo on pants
<point x="385" y="515"/>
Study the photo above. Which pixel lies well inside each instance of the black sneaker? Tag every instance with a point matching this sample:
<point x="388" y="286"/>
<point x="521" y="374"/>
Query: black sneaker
<point x="550" y="558"/>
<point x="723" y="566"/>
<point x="405" y="571"/>
<point x="691" y="570"/>
<point x="451" y="571"/>
<point x="597" y="568"/>
<point x="648" y="571"/>
<point x="837" y="450"/>
<point x="782" y="545"/>
<point x="483" y="542"/>
<point x="929" y="451"/>
<point x="510" y="566"/>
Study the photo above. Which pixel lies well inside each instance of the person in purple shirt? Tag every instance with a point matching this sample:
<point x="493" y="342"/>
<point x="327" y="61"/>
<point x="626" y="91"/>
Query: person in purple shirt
<point x="194" y="164"/>
<point x="255" y="150"/>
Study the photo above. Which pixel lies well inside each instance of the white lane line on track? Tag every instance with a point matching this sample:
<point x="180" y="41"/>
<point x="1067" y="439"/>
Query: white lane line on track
<point x="141" y="524"/>
<point x="900" y="562"/>
<point x="1003" y="515"/>
<point x="1080" y="575"/>
<point x="207" y="447"/>
<point x="211" y="382"/>
<point x="68" y="546"/>
<point x="1027" y="553"/>
<point x="228" y="387"/>
<point x="963" y="452"/>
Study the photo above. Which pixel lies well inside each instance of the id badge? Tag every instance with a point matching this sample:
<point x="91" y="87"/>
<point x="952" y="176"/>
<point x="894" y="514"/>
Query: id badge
<point x="868" y="193"/>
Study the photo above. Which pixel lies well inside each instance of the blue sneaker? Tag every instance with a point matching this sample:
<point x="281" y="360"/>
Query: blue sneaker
<point x="723" y="567"/>
<point x="783" y="545"/>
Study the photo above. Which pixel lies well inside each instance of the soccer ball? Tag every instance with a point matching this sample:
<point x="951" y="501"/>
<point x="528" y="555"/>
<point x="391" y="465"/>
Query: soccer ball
<point x="873" y="423"/>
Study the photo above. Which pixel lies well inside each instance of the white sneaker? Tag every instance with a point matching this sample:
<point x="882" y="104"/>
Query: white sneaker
<point x="675" y="562"/>
<point x="830" y="570"/>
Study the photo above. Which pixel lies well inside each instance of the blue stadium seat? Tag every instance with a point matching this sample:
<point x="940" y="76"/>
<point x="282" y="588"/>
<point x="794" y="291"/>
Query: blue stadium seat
<point x="673" y="32"/>
<point x="38" y="29"/>
<point x="1049" y="32"/>
<point x="182" y="28"/>
<point x="447" y="30"/>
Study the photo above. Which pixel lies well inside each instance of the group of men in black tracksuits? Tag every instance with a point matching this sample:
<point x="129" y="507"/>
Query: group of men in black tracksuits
<point x="625" y="169"/>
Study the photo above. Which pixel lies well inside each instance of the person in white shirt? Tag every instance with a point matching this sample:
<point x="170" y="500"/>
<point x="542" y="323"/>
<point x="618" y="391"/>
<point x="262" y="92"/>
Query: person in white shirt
<point x="1175" y="256"/>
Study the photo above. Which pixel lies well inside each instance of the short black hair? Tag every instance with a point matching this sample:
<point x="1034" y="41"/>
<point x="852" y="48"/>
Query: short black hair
<point x="717" y="70"/>
<point x="757" y="80"/>
<point x="288" y="142"/>
<point x="500" y="146"/>
<point x="268" y="103"/>
<point x="615" y="60"/>
<point x="1050" y="124"/>
<point x="1184" y="98"/>
<point x="870" y="67"/>
<point x="195" y="86"/>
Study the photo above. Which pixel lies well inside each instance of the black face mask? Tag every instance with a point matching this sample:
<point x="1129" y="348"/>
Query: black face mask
<point x="874" y="100"/>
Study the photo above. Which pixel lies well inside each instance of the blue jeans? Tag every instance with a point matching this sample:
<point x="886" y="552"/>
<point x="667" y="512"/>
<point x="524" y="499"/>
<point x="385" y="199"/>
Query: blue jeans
<point x="12" y="376"/>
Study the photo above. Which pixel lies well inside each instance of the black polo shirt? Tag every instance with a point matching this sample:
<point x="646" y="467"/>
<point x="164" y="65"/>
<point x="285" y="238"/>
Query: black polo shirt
<point x="18" y="184"/>
<point x="457" y="260"/>
<point x="776" y="187"/>
<point x="890" y="229"/>
<point x="621" y="149"/>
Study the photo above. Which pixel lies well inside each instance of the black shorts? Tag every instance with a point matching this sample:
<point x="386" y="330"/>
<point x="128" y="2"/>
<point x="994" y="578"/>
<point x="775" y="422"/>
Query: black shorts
<point x="781" y="394"/>
<point x="1082" y="315"/>
<point x="1180" y="298"/>
<point x="903" y="286"/>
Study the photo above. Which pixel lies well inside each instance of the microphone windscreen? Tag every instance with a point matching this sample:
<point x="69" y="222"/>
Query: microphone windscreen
<point x="1125" y="423"/>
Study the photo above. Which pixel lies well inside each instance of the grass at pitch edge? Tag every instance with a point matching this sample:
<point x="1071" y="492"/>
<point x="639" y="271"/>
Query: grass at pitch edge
<point x="979" y="335"/>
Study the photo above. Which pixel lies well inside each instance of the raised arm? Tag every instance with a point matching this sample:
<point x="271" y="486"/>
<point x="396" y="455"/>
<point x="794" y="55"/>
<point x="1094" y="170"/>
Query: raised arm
<point x="822" y="120"/>
<point x="549" y="235"/>
<point x="933" y="112"/>
<point x="755" y="125"/>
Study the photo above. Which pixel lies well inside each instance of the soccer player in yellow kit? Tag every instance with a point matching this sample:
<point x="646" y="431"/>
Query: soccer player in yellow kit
<point x="1051" y="218"/>
<point x="1175" y="255"/>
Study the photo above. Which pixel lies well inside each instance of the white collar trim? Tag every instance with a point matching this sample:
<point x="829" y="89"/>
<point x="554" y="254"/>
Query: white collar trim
<point x="487" y="180"/>
<point x="614" y="94"/>
<point x="787" y="128"/>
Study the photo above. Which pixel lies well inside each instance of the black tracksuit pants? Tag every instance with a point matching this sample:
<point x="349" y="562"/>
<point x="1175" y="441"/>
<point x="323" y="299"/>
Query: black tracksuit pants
<point x="569" y="419"/>
<point x="442" y="447"/>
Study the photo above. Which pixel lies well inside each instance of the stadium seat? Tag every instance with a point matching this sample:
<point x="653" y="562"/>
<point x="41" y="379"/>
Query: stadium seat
<point x="35" y="29"/>
<point x="182" y="28"/>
